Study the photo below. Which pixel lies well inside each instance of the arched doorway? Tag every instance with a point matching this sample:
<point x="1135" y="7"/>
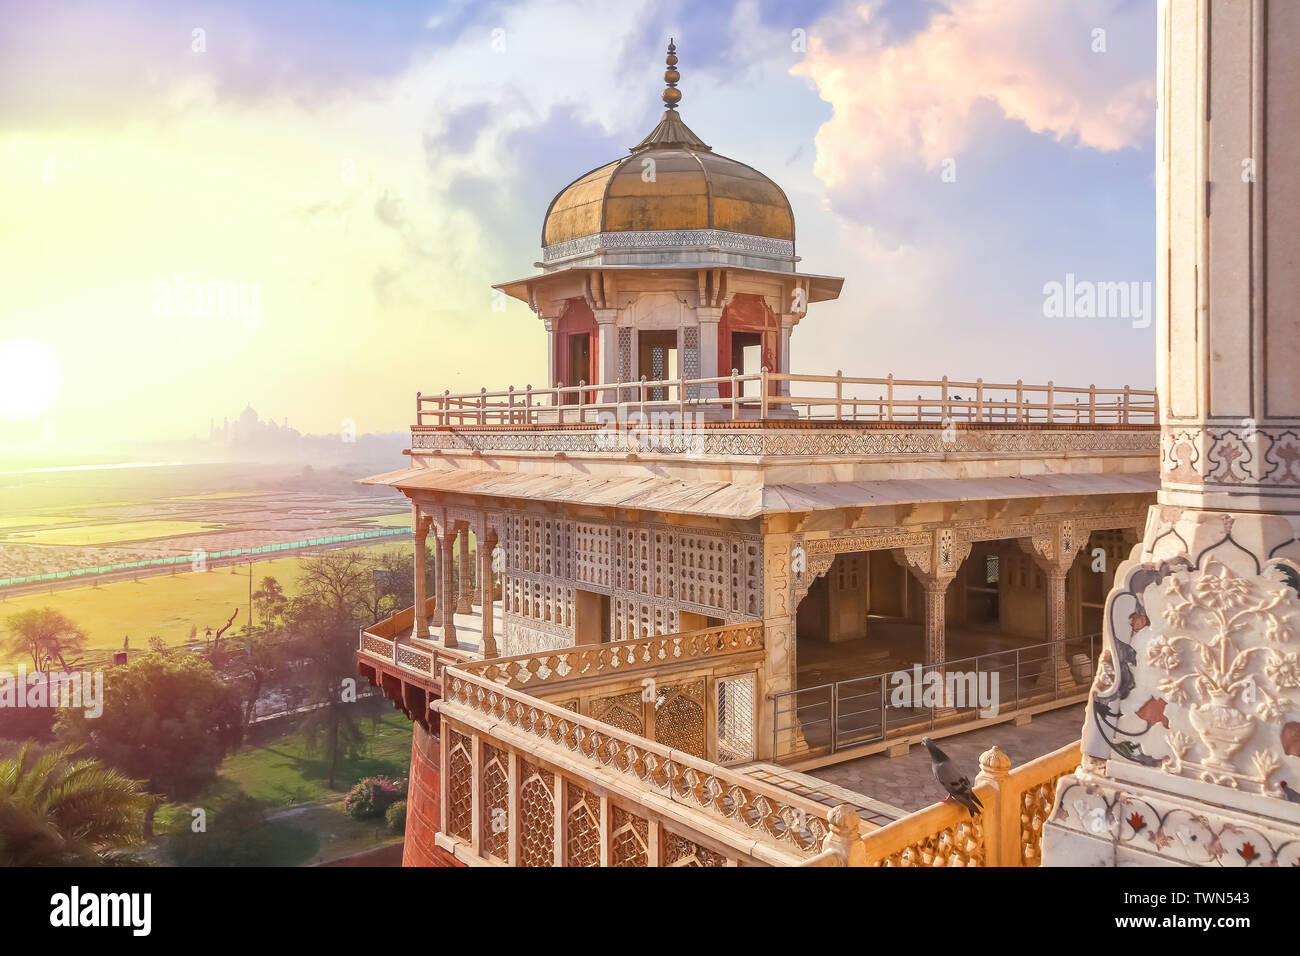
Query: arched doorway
<point x="749" y="339"/>
<point x="576" y="347"/>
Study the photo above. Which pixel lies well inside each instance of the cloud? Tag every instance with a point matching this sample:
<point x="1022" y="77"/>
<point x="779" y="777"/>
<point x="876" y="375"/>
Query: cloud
<point x="916" y="101"/>
<point x="375" y="196"/>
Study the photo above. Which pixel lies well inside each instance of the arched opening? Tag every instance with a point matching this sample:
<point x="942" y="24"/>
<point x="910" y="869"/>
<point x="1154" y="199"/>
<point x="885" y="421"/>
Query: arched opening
<point x="749" y="336"/>
<point x="860" y="617"/>
<point x="576" y="347"/>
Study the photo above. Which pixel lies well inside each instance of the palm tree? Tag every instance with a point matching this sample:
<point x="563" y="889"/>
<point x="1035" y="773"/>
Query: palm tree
<point x="56" y="810"/>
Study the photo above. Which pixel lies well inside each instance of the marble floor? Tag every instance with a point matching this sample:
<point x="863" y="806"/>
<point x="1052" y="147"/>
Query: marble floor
<point x="895" y="644"/>
<point x="906" y="782"/>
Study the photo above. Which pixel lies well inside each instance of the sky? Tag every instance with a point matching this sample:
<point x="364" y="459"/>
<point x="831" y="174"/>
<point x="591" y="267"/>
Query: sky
<point x="348" y="179"/>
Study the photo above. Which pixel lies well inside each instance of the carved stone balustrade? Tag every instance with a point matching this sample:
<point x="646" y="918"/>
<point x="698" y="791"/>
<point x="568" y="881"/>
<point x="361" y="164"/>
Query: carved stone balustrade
<point x="1008" y="832"/>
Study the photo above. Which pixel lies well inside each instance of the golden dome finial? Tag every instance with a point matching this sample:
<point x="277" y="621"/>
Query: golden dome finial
<point x="672" y="95"/>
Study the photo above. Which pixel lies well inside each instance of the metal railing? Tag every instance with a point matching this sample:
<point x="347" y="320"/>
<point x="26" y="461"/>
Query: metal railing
<point x="208" y="556"/>
<point x="828" y="718"/>
<point x="767" y="394"/>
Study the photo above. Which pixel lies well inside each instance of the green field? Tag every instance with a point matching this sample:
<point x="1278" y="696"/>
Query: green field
<point x="112" y="533"/>
<point x="216" y="495"/>
<point x="28" y="521"/>
<point x="400" y="520"/>
<point x="166" y="605"/>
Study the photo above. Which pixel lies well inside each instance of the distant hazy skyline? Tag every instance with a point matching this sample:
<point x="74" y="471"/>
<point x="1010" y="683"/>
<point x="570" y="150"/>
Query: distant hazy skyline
<point x="343" y="181"/>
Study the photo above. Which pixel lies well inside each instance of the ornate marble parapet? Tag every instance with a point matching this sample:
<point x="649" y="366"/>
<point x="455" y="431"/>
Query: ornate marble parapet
<point x="819" y="441"/>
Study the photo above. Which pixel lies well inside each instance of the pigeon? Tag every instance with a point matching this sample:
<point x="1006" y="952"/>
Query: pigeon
<point x="1290" y="794"/>
<point x="951" y="779"/>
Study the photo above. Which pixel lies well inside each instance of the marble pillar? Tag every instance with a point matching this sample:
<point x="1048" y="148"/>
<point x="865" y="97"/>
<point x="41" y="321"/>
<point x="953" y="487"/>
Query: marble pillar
<point x="464" y="573"/>
<point x="446" y="609"/>
<point x="1191" y="743"/>
<point x="421" y="522"/>
<point x="486" y="544"/>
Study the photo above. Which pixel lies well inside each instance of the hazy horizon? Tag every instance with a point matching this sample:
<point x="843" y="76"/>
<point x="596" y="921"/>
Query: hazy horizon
<point x="347" y="182"/>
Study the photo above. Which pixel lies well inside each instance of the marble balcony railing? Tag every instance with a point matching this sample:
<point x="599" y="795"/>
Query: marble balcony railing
<point x="767" y="395"/>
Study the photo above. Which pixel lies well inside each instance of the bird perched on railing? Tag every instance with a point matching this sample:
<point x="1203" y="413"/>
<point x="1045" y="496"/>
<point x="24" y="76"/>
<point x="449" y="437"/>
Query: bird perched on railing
<point x="951" y="779"/>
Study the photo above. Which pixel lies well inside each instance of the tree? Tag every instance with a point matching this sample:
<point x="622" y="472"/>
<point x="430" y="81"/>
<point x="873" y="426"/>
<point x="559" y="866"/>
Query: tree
<point x="34" y="723"/>
<point x="236" y="834"/>
<point x="258" y="662"/>
<point x="336" y="593"/>
<point x="213" y="644"/>
<point x="270" y="601"/>
<point x="56" y="810"/>
<point x="45" y="635"/>
<point x="325" y="640"/>
<point x="338" y="580"/>
<point x="167" y="719"/>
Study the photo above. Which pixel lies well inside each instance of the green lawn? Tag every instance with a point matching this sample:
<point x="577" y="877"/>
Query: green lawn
<point x="305" y="822"/>
<point x="281" y="773"/>
<point x="164" y="604"/>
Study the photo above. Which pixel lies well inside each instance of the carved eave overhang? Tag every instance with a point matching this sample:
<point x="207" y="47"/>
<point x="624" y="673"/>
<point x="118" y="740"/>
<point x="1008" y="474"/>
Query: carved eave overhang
<point x="917" y="491"/>
<point x="743" y="501"/>
<point x="543" y="293"/>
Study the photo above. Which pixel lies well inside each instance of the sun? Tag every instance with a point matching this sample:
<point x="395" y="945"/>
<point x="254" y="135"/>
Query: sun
<point x="29" y="379"/>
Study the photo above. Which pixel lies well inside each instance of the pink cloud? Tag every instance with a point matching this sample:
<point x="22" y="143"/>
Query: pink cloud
<point x="915" y="101"/>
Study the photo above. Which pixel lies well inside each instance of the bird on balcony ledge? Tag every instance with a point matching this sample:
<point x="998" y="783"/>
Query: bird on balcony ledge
<point x="951" y="779"/>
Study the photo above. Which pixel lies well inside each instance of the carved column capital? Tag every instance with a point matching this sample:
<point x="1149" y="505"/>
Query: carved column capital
<point x="1055" y="550"/>
<point x="939" y="560"/>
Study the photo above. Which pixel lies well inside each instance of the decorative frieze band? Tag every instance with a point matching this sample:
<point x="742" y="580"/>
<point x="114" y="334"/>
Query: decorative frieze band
<point x="1232" y="457"/>
<point x="875" y="442"/>
<point x="662" y="239"/>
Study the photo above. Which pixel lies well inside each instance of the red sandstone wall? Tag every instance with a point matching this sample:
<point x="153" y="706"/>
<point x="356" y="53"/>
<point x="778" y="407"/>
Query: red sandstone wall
<point x="423" y="804"/>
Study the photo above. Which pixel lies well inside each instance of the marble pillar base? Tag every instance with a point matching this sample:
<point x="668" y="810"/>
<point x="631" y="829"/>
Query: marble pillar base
<point x="1191" y="741"/>
<point x="1111" y="819"/>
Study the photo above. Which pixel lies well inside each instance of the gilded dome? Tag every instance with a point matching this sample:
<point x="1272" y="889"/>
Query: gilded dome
<point x="673" y="200"/>
<point x="687" y="187"/>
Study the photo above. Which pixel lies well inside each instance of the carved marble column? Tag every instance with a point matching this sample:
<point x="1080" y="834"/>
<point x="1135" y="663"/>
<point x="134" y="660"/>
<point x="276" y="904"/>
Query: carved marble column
<point x="607" y="351"/>
<point x="933" y="609"/>
<point x="1054" y="554"/>
<point x="780" y="666"/>
<point x="464" y="574"/>
<point x="485" y="589"/>
<point x="421" y="618"/>
<point x="551" y="364"/>
<point x="1193" y="723"/>
<point x="446" y="608"/>
<point x="783" y="359"/>
<point x="709" y="319"/>
<point x="934" y="565"/>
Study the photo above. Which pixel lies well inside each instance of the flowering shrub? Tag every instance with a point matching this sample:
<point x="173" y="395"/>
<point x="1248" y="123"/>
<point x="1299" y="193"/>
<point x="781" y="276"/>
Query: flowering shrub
<point x="396" y="817"/>
<point x="372" y="796"/>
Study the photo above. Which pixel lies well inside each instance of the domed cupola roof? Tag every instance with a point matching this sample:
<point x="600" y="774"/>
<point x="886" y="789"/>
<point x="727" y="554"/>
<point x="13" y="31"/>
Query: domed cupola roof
<point x="671" y="200"/>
